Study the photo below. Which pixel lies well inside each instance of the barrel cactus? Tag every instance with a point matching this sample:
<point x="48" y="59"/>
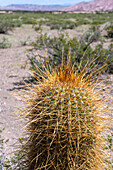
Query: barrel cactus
<point x="65" y="121"/>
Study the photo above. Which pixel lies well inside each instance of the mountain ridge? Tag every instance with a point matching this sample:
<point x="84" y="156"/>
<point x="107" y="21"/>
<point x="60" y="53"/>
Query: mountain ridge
<point x="33" y="7"/>
<point x="95" y="5"/>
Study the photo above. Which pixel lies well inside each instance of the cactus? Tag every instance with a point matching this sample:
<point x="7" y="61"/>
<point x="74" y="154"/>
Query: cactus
<point x="65" y="121"/>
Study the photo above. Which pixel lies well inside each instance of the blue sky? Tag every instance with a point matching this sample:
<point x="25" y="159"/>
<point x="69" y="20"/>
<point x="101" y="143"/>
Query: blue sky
<point x="40" y="2"/>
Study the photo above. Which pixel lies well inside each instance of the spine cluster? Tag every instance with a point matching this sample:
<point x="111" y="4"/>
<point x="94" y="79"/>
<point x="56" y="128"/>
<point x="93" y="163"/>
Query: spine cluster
<point x="65" y="123"/>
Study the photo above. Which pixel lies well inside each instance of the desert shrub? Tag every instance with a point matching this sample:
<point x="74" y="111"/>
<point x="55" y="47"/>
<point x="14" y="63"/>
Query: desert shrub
<point x="62" y="17"/>
<point x="63" y="45"/>
<point x="29" y="21"/>
<point x="68" y="24"/>
<point x="4" y="43"/>
<point x="80" y="18"/>
<point x="110" y="55"/>
<point x="98" y="21"/>
<point x="38" y="28"/>
<point x="56" y="26"/>
<point x="16" y="23"/>
<point x="92" y="35"/>
<point x="5" y="27"/>
<point x="81" y="21"/>
<point x="109" y="30"/>
<point x="59" y="23"/>
<point x="16" y="159"/>
<point x="59" y="46"/>
<point x="25" y="41"/>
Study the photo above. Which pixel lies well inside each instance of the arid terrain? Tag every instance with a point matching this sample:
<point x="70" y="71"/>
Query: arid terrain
<point x="13" y="71"/>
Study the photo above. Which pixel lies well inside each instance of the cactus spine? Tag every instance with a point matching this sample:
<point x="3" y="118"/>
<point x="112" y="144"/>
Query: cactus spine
<point x="65" y="121"/>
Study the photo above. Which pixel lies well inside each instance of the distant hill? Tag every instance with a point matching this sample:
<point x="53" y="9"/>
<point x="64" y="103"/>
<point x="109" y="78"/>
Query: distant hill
<point x="30" y="7"/>
<point x="95" y="5"/>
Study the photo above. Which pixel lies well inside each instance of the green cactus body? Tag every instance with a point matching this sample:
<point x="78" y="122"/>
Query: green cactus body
<point x="65" y="123"/>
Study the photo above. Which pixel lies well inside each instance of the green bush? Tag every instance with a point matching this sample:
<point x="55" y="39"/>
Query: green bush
<point x="60" y="24"/>
<point x="63" y="45"/>
<point x="5" y="27"/>
<point x="29" y="21"/>
<point x="109" y="30"/>
<point x="5" y="43"/>
<point x="92" y="35"/>
<point x="58" y="46"/>
<point x="81" y="21"/>
<point x="16" y="23"/>
<point x="49" y="17"/>
<point x="98" y="22"/>
<point x="38" y="28"/>
<point x="53" y="27"/>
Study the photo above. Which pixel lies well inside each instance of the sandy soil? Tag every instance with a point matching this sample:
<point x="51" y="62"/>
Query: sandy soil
<point x="12" y="72"/>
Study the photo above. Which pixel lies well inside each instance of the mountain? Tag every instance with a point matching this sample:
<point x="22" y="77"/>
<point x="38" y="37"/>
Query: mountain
<point x="31" y="7"/>
<point x="95" y="5"/>
<point x="77" y="7"/>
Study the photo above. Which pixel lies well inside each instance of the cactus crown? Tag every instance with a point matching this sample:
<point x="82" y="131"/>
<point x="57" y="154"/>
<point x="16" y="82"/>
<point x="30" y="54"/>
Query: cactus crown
<point x="65" y="75"/>
<point x="65" y="121"/>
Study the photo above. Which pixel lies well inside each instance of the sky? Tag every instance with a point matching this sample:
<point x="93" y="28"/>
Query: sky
<point x="40" y="2"/>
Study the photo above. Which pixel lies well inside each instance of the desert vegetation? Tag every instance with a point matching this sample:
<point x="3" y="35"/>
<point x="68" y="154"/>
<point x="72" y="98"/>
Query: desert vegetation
<point x="85" y="43"/>
<point x="64" y="20"/>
